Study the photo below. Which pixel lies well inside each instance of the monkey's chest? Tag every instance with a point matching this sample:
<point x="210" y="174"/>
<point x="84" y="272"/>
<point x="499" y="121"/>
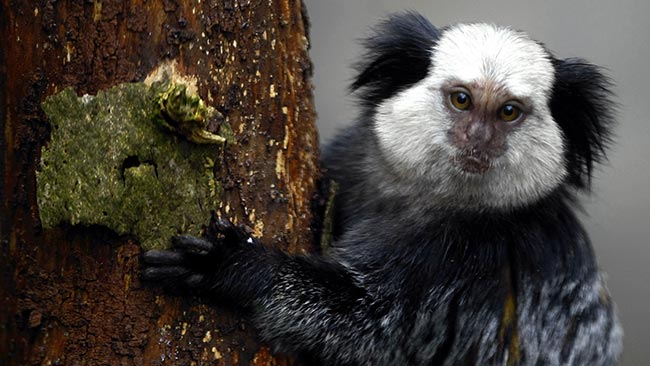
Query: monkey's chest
<point x="492" y="324"/>
<point x="476" y="324"/>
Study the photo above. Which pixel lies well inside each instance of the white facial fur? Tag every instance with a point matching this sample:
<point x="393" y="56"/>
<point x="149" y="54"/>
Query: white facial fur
<point x="412" y="127"/>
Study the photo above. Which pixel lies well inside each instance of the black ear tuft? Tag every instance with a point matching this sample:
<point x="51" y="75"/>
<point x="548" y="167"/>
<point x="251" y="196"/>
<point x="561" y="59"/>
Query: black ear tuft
<point x="398" y="54"/>
<point x="582" y="105"/>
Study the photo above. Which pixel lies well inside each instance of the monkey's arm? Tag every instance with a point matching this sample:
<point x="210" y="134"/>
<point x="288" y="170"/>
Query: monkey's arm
<point x="300" y="303"/>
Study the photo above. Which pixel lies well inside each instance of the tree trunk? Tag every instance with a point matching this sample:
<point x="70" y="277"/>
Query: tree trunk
<point x="71" y="295"/>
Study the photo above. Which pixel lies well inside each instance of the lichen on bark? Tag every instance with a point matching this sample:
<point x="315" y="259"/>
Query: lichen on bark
<point x="109" y="163"/>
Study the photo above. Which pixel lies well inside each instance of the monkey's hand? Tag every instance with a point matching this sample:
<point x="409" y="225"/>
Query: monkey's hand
<point x="300" y="303"/>
<point x="220" y="264"/>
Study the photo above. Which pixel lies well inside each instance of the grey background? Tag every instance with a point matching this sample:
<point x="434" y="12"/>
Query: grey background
<point x="614" y="34"/>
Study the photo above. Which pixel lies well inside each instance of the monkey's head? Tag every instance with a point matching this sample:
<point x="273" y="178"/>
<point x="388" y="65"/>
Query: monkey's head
<point x="479" y="115"/>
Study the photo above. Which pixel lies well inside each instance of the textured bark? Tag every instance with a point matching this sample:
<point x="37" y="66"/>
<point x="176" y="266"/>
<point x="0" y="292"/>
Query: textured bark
<point x="71" y="295"/>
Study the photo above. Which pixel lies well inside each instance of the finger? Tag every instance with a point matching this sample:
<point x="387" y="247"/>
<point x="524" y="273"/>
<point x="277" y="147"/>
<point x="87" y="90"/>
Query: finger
<point x="225" y="226"/>
<point x="230" y="231"/>
<point x="158" y="273"/>
<point x="192" y="243"/>
<point x="194" y="280"/>
<point x="163" y="257"/>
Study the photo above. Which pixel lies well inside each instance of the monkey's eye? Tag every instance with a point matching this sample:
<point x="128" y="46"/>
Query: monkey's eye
<point x="509" y="113"/>
<point x="460" y="100"/>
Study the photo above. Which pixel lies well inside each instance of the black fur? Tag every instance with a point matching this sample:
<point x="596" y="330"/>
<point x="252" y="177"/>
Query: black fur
<point x="398" y="55"/>
<point x="413" y="284"/>
<point x="581" y="105"/>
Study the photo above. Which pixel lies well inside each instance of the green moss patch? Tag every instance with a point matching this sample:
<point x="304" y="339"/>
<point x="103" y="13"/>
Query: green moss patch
<point x="109" y="163"/>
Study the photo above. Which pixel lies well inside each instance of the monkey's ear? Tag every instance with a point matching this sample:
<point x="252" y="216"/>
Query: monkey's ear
<point x="398" y="54"/>
<point x="582" y="106"/>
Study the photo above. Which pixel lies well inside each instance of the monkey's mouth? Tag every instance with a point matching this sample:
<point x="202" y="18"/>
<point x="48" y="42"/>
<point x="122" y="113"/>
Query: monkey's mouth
<point x="472" y="162"/>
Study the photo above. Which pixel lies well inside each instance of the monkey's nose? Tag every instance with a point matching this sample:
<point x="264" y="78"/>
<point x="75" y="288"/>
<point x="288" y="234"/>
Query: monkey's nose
<point x="479" y="132"/>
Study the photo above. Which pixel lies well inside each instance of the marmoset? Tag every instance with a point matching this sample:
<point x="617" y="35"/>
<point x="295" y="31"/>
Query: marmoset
<point x="456" y="237"/>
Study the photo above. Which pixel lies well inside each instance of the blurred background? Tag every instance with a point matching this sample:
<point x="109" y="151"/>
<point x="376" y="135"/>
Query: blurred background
<point x="613" y="34"/>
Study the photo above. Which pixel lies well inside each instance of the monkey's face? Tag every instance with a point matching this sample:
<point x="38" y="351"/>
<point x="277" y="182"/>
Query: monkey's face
<point x="477" y="130"/>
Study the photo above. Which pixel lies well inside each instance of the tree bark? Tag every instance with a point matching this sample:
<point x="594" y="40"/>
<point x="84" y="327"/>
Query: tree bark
<point x="71" y="295"/>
